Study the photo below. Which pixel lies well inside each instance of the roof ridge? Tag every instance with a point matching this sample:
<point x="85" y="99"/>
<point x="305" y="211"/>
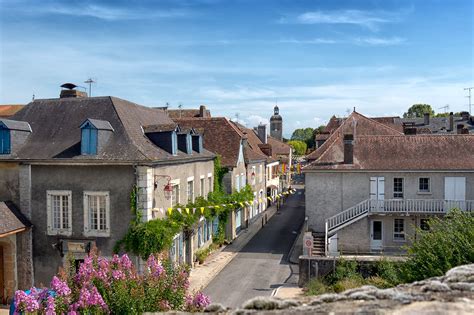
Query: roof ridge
<point x="376" y="122"/>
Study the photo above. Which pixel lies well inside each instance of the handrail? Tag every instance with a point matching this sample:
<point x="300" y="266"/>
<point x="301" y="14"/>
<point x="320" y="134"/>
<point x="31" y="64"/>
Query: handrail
<point x="419" y="205"/>
<point x="349" y="214"/>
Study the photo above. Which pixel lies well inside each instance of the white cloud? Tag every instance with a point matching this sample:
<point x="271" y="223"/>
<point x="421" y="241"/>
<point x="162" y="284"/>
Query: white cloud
<point x="379" y="41"/>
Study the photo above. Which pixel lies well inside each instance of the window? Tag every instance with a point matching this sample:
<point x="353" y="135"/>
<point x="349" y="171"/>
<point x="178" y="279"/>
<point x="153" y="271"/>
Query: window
<point x="190" y="191"/>
<point x="215" y="225"/>
<point x="177" y="249"/>
<point x="398" y="188"/>
<point x="203" y="194"/>
<point x="424" y="184"/>
<point x="5" y="145"/>
<point x="424" y="225"/>
<point x="88" y="139"/>
<point x="59" y="212"/>
<point x="210" y="188"/>
<point x="237" y="183"/>
<point x="399" y="230"/>
<point x="260" y="173"/>
<point x="175" y="195"/>
<point x="242" y="180"/>
<point x="96" y="213"/>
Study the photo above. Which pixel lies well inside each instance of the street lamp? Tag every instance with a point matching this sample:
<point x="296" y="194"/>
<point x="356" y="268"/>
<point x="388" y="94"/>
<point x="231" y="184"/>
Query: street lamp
<point x="167" y="188"/>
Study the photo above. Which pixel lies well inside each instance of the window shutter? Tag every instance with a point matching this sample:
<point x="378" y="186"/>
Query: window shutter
<point x="85" y="140"/>
<point x="86" y="213"/>
<point x="49" y="210"/>
<point x="69" y="203"/>
<point x="93" y="141"/>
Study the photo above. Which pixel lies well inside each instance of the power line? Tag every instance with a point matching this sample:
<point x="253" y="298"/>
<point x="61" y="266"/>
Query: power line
<point x="469" y="96"/>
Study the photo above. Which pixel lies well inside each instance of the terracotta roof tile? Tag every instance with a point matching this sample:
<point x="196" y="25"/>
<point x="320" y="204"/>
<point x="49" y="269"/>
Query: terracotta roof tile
<point x="11" y="219"/>
<point x="9" y="110"/>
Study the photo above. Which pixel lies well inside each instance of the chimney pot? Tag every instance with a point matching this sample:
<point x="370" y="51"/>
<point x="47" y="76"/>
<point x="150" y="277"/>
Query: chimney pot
<point x="348" y="149"/>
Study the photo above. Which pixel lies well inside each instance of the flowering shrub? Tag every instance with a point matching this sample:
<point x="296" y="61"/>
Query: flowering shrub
<point x="104" y="286"/>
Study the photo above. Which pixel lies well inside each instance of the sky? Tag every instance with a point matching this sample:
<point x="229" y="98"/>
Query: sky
<point x="314" y="58"/>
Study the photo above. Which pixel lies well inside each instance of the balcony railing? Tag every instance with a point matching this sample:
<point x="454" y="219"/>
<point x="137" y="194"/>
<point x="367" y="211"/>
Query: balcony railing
<point x="419" y="205"/>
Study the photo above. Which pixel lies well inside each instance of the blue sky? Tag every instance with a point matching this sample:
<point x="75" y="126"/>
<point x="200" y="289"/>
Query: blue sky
<point x="315" y="58"/>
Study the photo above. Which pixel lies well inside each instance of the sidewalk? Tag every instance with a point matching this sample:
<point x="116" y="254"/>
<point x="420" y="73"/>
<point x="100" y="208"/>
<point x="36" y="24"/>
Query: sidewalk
<point x="202" y="275"/>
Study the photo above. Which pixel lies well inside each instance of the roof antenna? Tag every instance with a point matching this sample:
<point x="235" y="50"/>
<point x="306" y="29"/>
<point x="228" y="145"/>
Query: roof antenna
<point x="180" y="106"/>
<point x="90" y="81"/>
<point x="33" y="98"/>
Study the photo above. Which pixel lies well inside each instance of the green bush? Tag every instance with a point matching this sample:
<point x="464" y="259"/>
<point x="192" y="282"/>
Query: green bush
<point x="201" y="254"/>
<point x="317" y="286"/>
<point x="348" y="283"/>
<point x="388" y="271"/>
<point x="448" y="243"/>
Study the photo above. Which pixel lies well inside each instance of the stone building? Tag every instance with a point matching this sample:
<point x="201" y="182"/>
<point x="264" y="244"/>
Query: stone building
<point x="71" y="175"/>
<point x="370" y="185"/>
<point x="276" y="124"/>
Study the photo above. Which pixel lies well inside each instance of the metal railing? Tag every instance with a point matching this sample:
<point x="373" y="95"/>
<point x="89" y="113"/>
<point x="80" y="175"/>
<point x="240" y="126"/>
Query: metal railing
<point x="348" y="215"/>
<point x="407" y="206"/>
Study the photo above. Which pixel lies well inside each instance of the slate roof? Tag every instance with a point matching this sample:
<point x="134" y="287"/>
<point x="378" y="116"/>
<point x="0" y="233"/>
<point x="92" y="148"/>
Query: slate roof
<point x="439" y="124"/>
<point x="16" y="125"/>
<point x="9" y="110"/>
<point x="100" y="124"/>
<point x="56" y="134"/>
<point x="11" y="219"/>
<point x="220" y="136"/>
<point x="402" y="152"/>
<point x="357" y="124"/>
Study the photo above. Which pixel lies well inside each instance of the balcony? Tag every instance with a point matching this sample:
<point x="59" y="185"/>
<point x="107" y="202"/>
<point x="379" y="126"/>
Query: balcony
<point x="425" y="206"/>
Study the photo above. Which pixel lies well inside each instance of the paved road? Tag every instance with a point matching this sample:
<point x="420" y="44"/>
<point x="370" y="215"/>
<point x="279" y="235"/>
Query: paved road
<point x="262" y="265"/>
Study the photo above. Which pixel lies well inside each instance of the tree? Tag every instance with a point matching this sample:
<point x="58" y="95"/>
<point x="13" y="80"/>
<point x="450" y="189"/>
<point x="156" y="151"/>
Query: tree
<point x="418" y="110"/>
<point x="299" y="146"/>
<point x="304" y="134"/>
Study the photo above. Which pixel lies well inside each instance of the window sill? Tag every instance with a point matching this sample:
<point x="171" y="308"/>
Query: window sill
<point x="96" y="234"/>
<point x="399" y="240"/>
<point x="59" y="232"/>
<point x="424" y="193"/>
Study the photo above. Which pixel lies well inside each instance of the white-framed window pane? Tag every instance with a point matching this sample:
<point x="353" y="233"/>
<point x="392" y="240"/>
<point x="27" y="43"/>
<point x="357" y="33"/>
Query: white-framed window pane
<point x="398" y="188"/>
<point x="210" y="184"/>
<point x="424" y="184"/>
<point x="56" y="204"/>
<point x="102" y="213"/>
<point x="202" y="188"/>
<point x="175" y="195"/>
<point x="191" y="191"/>
<point x="399" y="229"/>
<point x="59" y="212"/>
<point x="97" y="215"/>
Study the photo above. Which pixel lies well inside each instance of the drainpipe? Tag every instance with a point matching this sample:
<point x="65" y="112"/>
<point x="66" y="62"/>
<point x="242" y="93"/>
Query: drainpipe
<point x="326" y="239"/>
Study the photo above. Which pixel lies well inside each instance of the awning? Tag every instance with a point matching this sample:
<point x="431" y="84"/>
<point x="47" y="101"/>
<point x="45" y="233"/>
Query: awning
<point x="11" y="219"/>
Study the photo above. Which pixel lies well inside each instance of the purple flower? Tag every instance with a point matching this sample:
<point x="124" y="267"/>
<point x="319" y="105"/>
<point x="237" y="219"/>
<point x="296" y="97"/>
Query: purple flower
<point x="50" y="306"/>
<point x="60" y="287"/>
<point x="26" y="303"/>
<point x="201" y="300"/>
<point x="118" y="275"/>
<point x="126" y="262"/>
<point x="154" y="266"/>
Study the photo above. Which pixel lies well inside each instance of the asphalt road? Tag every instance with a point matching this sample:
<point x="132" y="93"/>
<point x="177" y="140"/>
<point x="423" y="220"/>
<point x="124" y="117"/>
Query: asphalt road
<point x="262" y="265"/>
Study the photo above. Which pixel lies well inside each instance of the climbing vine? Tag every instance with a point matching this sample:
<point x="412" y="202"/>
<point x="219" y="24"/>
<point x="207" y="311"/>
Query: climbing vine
<point x="154" y="236"/>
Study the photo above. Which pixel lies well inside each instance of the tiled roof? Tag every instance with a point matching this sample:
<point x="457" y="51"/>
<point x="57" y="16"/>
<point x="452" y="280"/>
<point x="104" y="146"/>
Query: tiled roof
<point x="252" y="151"/>
<point x="11" y="219"/>
<point x="359" y="125"/>
<point x="9" y="110"/>
<point x="56" y="134"/>
<point x="439" y="124"/>
<point x="279" y="147"/>
<point x="219" y="136"/>
<point x="186" y="113"/>
<point x="402" y="152"/>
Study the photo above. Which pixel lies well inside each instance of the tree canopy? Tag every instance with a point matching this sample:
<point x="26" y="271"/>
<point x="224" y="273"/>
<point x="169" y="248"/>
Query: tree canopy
<point x="418" y="110"/>
<point x="299" y="146"/>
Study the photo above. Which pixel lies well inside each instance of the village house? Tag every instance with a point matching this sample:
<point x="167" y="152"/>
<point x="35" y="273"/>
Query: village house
<point x="68" y="168"/>
<point x="222" y="137"/>
<point x="370" y="186"/>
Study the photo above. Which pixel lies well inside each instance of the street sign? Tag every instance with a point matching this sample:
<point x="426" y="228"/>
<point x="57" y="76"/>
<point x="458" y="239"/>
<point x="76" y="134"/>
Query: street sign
<point x="307" y="243"/>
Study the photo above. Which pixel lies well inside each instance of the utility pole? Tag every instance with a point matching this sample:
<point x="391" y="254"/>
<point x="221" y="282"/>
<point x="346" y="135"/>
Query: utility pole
<point x="469" y="96"/>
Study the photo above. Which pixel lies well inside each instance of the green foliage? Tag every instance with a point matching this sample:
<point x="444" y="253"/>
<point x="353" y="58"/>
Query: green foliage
<point x="447" y="114"/>
<point x="418" y="110"/>
<point x="201" y="254"/>
<point x="389" y="272"/>
<point x="448" y="243"/>
<point x="317" y="286"/>
<point x="299" y="146"/>
<point x="305" y="135"/>
<point x="155" y="236"/>
<point x="219" y="173"/>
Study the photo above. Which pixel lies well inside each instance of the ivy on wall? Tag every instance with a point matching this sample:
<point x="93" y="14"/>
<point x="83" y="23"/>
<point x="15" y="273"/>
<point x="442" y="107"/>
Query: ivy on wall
<point x="154" y="236"/>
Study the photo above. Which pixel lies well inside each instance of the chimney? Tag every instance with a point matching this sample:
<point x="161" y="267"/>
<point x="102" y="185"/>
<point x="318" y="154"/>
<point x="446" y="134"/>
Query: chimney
<point x="69" y="91"/>
<point x="459" y="128"/>
<point x="465" y="115"/>
<point x="262" y="133"/>
<point x="426" y="116"/>
<point x="464" y="131"/>
<point x="348" y="149"/>
<point x="451" y="121"/>
<point x="203" y="111"/>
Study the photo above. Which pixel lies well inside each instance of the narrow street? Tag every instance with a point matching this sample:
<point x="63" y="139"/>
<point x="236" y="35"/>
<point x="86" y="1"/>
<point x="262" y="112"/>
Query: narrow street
<point x="262" y="265"/>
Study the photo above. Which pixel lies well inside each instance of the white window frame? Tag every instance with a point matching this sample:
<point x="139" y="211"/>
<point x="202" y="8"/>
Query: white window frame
<point x="237" y="182"/>
<point x="399" y="236"/>
<point x="202" y="186"/>
<point x="87" y="229"/>
<point x="187" y="190"/>
<point x="260" y="173"/>
<point x="429" y="186"/>
<point x="49" y="216"/>
<point x="401" y="194"/>
<point x="210" y="183"/>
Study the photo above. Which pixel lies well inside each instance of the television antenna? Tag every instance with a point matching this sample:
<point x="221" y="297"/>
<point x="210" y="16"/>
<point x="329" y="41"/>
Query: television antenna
<point x="469" y="96"/>
<point x="445" y="107"/>
<point x="90" y="81"/>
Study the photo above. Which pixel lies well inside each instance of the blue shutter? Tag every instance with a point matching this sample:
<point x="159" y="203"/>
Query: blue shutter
<point x="174" y="143"/>
<point x="85" y="140"/>
<point x="189" y="144"/>
<point x="4" y="141"/>
<point x="93" y="142"/>
<point x="200" y="143"/>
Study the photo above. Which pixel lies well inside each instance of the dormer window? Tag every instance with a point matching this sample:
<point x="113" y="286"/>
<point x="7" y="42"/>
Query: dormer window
<point x="5" y="144"/>
<point x="88" y="139"/>
<point x="164" y="136"/>
<point x="90" y="135"/>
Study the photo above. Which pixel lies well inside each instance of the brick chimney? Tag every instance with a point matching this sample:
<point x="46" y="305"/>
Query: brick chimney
<point x="69" y="90"/>
<point x="426" y="117"/>
<point x="348" y="149"/>
<point x="203" y="111"/>
<point x="262" y="133"/>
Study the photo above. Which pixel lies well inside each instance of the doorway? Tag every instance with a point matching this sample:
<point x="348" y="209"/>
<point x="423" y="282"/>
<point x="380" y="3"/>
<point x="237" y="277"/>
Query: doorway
<point x="377" y="193"/>
<point x="376" y="235"/>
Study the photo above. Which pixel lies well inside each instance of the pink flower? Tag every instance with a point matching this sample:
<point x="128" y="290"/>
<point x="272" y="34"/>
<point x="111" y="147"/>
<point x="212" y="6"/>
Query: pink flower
<point x="154" y="266"/>
<point x="50" y="306"/>
<point x="118" y="275"/>
<point x="26" y="303"/>
<point x="126" y="262"/>
<point x="60" y="287"/>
